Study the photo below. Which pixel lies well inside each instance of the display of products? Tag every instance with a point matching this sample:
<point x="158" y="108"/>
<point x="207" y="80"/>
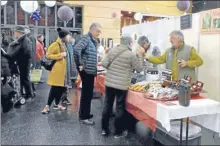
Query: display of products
<point x="144" y="86"/>
<point x="160" y="93"/>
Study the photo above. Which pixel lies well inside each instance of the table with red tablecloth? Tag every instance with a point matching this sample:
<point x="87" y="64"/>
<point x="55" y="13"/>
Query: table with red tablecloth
<point x="150" y="111"/>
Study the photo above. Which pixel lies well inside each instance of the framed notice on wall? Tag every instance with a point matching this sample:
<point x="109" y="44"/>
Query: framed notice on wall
<point x="210" y="21"/>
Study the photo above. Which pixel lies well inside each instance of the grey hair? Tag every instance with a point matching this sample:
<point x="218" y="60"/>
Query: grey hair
<point x="143" y="40"/>
<point x="126" y="40"/>
<point x="179" y="34"/>
<point x="94" y="25"/>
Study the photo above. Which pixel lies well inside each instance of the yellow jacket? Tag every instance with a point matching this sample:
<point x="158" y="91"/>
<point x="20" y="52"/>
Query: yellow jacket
<point x="194" y="61"/>
<point x="57" y="74"/>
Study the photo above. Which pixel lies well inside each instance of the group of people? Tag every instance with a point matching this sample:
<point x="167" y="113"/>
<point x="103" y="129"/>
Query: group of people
<point x="23" y="52"/>
<point x="120" y="62"/>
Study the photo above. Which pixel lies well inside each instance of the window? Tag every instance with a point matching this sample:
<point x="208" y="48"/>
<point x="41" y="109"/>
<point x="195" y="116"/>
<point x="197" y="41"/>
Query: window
<point x="78" y="17"/>
<point x="30" y="20"/>
<point x="10" y="12"/>
<point x="42" y="20"/>
<point x="60" y="23"/>
<point x="2" y="15"/>
<point x="21" y="15"/>
<point x="51" y="16"/>
<point x="70" y="23"/>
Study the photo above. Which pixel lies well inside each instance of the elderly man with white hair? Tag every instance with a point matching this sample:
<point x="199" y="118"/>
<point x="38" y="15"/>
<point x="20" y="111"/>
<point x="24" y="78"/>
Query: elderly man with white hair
<point x="181" y="58"/>
<point x="85" y="55"/>
<point x="119" y="62"/>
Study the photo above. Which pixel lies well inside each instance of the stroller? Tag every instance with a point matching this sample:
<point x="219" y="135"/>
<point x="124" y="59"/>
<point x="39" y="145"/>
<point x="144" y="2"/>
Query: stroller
<point x="15" y="84"/>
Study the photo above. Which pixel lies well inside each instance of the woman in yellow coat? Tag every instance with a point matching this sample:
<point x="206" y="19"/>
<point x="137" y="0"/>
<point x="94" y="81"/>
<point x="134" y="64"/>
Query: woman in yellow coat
<point x="59" y="77"/>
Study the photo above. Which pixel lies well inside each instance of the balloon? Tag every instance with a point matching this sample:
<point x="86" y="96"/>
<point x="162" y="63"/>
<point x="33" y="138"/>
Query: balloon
<point x="138" y="16"/>
<point x="3" y="2"/>
<point x="114" y="14"/>
<point x="35" y="16"/>
<point x="50" y="3"/>
<point x="183" y="5"/>
<point x="65" y="13"/>
<point x="29" y="6"/>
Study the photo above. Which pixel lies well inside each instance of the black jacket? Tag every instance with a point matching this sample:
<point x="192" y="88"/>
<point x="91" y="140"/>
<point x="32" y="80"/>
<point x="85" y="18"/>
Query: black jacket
<point x="20" y="50"/>
<point x="33" y="49"/>
<point x="5" y="70"/>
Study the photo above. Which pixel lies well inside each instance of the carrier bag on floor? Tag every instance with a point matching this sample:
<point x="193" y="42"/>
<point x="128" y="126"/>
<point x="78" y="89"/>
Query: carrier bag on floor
<point x="35" y="75"/>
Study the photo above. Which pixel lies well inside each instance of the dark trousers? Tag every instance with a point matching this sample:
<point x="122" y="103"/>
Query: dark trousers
<point x="55" y="93"/>
<point x="86" y="95"/>
<point x="120" y="122"/>
<point x="25" y="82"/>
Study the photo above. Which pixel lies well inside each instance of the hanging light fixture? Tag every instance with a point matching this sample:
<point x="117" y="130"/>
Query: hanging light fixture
<point x="50" y="3"/>
<point x="3" y="2"/>
<point x="29" y="6"/>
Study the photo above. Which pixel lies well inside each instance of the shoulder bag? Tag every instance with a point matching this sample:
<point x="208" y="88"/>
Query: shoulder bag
<point x="48" y="63"/>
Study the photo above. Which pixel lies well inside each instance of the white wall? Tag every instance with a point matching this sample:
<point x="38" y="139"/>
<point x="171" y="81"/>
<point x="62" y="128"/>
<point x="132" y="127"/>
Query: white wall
<point x="209" y="72"/>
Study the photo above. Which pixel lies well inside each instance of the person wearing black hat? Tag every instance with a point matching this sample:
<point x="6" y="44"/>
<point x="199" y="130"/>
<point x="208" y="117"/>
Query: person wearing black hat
<point x="60" y="76"/>
<point x="20" y="51"/>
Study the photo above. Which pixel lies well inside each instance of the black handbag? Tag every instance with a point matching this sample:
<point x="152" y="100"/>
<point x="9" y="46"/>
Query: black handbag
<point x="48" y="63"/>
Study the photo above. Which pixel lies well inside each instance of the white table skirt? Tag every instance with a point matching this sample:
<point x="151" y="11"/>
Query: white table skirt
<point x="205" y="112"/>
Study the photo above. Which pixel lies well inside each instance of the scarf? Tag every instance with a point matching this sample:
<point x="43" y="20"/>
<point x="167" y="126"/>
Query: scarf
<point x="68" y="82"/>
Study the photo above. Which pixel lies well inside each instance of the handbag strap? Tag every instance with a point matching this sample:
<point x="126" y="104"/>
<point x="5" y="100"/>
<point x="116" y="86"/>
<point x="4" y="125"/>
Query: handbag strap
<point x="60" y="47"/>
<point x="116" y="57"/>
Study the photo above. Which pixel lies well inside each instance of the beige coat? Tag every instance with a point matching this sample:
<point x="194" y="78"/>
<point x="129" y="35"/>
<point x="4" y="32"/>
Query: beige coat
<point x="120" y="71"/>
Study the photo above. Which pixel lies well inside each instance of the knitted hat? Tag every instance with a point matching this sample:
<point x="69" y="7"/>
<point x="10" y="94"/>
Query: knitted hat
<point x="62" y="33"/>
<point x="20" y="29"/>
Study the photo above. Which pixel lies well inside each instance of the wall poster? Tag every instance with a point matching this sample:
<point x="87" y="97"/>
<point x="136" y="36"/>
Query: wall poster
<point x="210" y="21"/>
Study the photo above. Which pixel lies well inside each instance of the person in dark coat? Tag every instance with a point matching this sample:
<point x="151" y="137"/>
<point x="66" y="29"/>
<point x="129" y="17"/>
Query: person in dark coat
<point x="5" y="70"/>
<point x="20" y="51"/>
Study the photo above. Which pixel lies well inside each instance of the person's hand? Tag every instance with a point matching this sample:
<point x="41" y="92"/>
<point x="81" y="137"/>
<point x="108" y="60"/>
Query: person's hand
<point x="182" y="63"/>
<point x="81" y="68"/>
<point x="141" y="51"/>
<point x="63" y="54"/>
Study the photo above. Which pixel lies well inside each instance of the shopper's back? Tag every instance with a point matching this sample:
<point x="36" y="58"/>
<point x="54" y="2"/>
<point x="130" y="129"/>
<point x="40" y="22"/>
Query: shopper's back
<point x="120" y="70"/>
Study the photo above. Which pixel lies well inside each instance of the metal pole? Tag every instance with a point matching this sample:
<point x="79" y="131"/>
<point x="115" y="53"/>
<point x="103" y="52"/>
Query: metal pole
<point x="187" y="130"/>
<point x="181" y="131"/>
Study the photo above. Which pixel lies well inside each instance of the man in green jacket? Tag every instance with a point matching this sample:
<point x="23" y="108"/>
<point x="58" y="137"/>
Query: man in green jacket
<point x="182" y="59"/>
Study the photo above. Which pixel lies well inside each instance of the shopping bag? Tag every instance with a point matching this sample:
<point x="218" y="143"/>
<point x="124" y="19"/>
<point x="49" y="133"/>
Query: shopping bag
<point x="35" y="75"/>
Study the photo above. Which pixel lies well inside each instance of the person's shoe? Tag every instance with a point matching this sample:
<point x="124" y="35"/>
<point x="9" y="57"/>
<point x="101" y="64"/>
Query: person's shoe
<point x="66" y="101"/>
<point x="121" y="135"/>
<point x="60" y="106"/>
<point x="90" y="116"/>
<point x="46" y="110"/>
<point x="55" y="107"/>
<point x="105" y="132"/>
<point x="87" y="122"/>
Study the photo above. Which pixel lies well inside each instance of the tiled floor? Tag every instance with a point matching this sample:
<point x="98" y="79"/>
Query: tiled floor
<point x="27" y="126"/>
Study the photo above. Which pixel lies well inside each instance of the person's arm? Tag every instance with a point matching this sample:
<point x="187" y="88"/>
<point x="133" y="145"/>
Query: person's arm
<point x="78" y="49"/>
<point x="137" y="62"/>
<point x="194" y="60"/>
<point x="38" y="56"/>
<point x="13" y="49"/>
<point x="53" y="52"/>
<point x="105" y="61"/>
<point x="157" y="59"/>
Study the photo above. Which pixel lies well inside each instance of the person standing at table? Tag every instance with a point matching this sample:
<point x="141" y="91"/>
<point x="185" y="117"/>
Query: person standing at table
<point x="85" y="53"/>
<point x="181" y="58"/>
<point x="119" y="62"/>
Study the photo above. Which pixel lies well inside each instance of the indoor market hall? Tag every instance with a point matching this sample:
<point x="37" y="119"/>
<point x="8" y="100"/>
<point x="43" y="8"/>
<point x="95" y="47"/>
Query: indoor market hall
<point x="110" y="72"/>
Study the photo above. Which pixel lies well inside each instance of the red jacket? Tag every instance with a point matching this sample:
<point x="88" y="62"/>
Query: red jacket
<point x="39" y="50"/>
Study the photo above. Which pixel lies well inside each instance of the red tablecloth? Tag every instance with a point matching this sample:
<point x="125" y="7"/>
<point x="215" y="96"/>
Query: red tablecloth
<point x="141" y="108"/>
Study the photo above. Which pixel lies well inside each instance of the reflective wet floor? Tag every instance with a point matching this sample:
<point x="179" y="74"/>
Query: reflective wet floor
<point x="25" y="125"/>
